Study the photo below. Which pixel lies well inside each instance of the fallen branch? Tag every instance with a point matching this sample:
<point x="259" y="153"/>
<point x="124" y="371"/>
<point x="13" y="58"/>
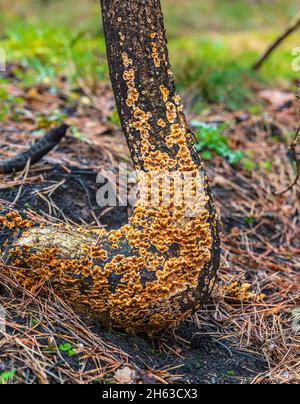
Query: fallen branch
<point x="36" y="152"/>
<point x="292" y="28"/>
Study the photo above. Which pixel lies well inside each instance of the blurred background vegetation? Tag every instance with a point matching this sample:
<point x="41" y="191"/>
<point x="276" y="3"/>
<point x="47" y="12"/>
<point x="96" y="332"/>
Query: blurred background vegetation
<point x="213" y="43"/>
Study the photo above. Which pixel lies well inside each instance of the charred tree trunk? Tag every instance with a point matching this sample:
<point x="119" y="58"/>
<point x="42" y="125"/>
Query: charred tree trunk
<point x="143" y="83"/>
<point x="155" y="271"/>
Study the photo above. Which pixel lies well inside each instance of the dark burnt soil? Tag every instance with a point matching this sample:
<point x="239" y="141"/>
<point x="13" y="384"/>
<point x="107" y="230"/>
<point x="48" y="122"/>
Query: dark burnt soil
<point x="74" y="200"/>
<point x="194" y="353"/>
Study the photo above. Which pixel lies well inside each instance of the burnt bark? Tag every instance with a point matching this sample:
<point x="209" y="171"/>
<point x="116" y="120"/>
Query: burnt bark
<point x="154" y="272"/>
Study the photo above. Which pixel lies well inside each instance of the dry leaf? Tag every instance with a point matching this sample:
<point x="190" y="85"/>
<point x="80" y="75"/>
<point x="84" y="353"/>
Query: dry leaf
<point x="277" y="98"/>
<point x="125" y="376"/>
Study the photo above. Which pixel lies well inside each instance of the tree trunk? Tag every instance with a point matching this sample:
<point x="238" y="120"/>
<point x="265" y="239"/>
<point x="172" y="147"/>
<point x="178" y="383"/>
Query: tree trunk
<point x="155" y="271"/>
<point x="143" y="83"/>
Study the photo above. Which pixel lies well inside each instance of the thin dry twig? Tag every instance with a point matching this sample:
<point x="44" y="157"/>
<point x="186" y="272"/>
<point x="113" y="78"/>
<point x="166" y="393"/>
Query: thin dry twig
<point x="292" y="28"/>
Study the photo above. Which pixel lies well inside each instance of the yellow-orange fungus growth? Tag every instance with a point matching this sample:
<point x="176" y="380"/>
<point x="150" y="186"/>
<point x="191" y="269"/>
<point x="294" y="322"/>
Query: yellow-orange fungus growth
<point x="165" y="92"/>
<point x="126" y="61"/>
<point x="177" y="100"/>
<point x="13" y="220"/>
<point x="155" y="54"/>
<point x="150" y="281"/>
<point x="171" y="112"/>
<point x="238" y="292"/>
<point x="161" y="123"/>
<point x="133" y="94"/>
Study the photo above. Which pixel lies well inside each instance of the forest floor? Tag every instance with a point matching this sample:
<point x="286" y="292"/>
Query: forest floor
<point x="249" y="330"/>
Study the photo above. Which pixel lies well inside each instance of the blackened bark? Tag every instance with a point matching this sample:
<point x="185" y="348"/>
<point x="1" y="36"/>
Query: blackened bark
<point x="136" y="43"/>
